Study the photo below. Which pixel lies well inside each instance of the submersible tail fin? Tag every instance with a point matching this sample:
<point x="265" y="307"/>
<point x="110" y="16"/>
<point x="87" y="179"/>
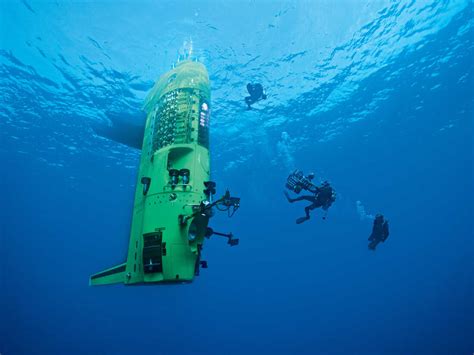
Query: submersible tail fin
<point x="113" y="275"/>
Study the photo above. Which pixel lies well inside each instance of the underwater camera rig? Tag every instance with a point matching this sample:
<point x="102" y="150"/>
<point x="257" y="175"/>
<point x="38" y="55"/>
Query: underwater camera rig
<point x="226" y="203"/>
<point x="297" y="182"/>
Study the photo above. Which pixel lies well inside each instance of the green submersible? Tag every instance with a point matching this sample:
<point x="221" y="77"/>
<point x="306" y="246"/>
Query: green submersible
<point x="174" y="193"/>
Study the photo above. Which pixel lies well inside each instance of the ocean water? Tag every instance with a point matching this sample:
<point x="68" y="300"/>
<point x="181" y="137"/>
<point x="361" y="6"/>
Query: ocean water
<point x="375" y="96"/>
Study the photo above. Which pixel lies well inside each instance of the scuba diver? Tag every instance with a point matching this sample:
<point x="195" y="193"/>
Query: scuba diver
<point x="379" y="231"/>
<point x="256" y="94"/>
<point x="323" y="196"/>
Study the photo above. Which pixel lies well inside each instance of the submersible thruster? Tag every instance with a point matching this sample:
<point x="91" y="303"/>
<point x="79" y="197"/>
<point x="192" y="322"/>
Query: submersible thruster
<point x="174" y="193"/>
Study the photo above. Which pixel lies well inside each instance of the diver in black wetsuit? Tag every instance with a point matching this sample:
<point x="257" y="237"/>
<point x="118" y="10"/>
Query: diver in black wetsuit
<point x="256" y="94"/>
<point x="379" y="231"/>
<point x="323" y="197"/>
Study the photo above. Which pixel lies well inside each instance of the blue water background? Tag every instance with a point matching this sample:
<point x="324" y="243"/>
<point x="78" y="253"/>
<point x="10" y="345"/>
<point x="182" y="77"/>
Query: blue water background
<point x="375" y="96"/>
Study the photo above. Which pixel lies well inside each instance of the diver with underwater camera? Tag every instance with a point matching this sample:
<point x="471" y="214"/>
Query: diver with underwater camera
<point x="322" y="196"/>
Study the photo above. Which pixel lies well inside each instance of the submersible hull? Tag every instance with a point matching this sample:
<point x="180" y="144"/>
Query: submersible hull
<point x="168" y="228"/>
